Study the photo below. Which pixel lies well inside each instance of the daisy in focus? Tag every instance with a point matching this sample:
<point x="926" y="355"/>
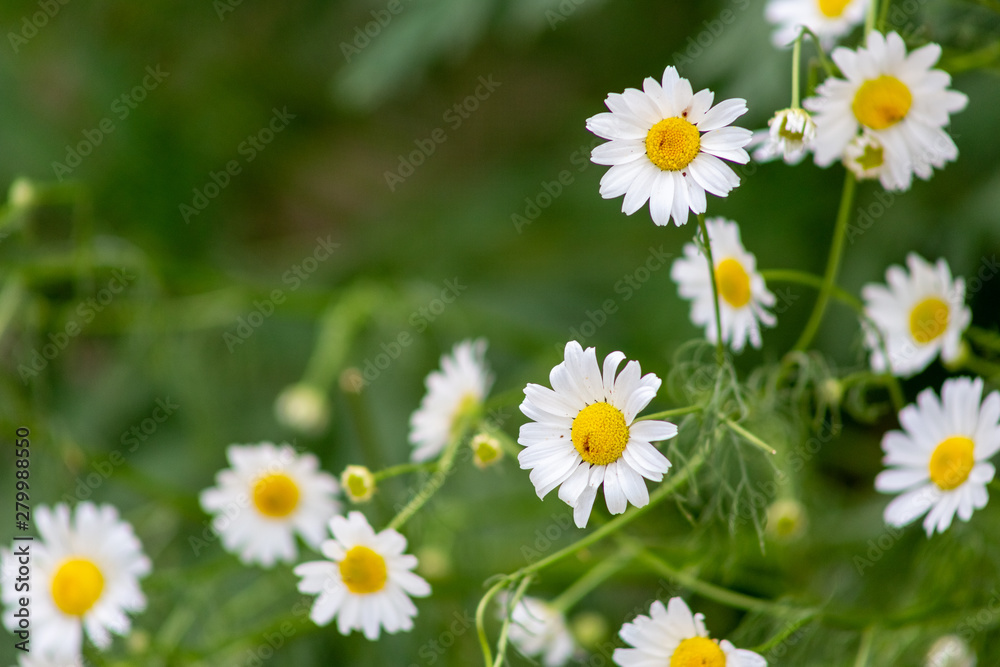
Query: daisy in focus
<point x="268" y="495"/>
<point x="920" y="315"/>
<point x="828" y="19"/>
<point x="743" y="296"/>
<point x="666" y="145"/>
<point x="367" y="582"/>
<point x="583" y="433"/>
<point x="538" y="629"/>
<point x="898" y="99"/>
<point x="939" y="460"/>
<point x="790" y="136"/>
<point x="459" y="388"/>
<point x="85" y="572"/>
<point x="674" y="636"/>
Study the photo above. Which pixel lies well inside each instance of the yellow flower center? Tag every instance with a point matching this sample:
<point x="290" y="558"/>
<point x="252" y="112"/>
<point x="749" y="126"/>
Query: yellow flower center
<point x="672" y="143"/>
<point x="363" y="571"/>
<point x="882" y="102"/>
<point x="952" y="462"/>
<point x="833" y="8"/>
<point x="599" y="433"/>
<point x="78" y="584"/>
<point x="698" y="652"/>
<point x="733" y="282"/>
<point x="276" y="495"/>
<point x="928" y="319"/>
<point x="871" y="158"/>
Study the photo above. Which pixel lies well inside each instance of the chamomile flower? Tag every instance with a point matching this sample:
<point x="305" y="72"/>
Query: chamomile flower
<point x="674" y="636"/>
<point x="584" y="433"/>
<point x="897" y="98"/>
<point x="539" y="629"/>
<point x="828" y="19"/>
<point x="919" y="316"/>
<point x="457" y="389"/>
<point x="666" y="145"/>
<point x="865" y="157"/>
<point x="939" y="459"/>
<point x="268" y="495"/>
<point x="743" y="296"/>
<point x="790" y="135"/>
<point x="367" y="581"/>
<point x="85" y="572"/>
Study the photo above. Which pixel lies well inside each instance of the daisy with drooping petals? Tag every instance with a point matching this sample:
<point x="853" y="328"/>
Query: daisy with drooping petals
<point x="664" y="146"/>
<point x="939" y="459"/>
<point x="268" y="495"/>
<point x="676" y="637"/>
<point x="898" y="99"/>
<point x="85" y="572"/>
<point x="743" y="296"/>
<point x="790" y="136"/>
<point x="919" y="315"/>
<point x="584" y="433"/>
<point x="828" y="19"/>
<point x="539" y="629"/>
<point x="458" y="388"/>
<point x="368" y="581"/>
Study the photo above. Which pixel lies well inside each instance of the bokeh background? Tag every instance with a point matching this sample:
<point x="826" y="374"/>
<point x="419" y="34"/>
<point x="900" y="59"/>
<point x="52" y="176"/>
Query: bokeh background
<point x="537" y="263"/>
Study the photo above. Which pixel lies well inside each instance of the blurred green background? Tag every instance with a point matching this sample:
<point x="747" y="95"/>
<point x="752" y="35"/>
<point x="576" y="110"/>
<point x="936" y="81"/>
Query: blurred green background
<point x="347" y="112"/>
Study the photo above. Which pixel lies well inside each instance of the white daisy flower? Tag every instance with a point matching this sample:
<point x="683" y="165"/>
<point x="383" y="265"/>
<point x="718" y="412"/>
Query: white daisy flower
<point x="458" y="388"/>
<point x="675" y="636"/>
<point x="368" y="581"/>
<point x="85" y="571"/>
<point x="790" y="136"/>
<point x="896" y="97"/>
<point x="828" y="19"/>
<point x="665" y="145"/>
<point x="538" y="629"/>
<point x="268" y="495"/>
<point x="865" y="157"/>
<point x="743" y="296"/>
<point x="940" y="457"/>
<point x="919" y="315"/>
<point x="584" y="433"/>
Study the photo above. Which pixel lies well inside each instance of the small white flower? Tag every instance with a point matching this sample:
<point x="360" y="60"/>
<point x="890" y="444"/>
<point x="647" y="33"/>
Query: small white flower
<point x="268" y="495"/>
<point x="675" y="636"/>
<point x="303" y="408"/>
<point x="919" y="315"/>
<point x="828" y="19"/>
<point x="950" y="651"/>
<point x="458" y="388"/>
<point x="85" y="572"/>
<point x="368" y="581"/>
<point x="538" y="629"/>
<point x="584" y="433"/>
<point x="790" y="136"/>
<point x="666" y="146"/>
<point x="743" y="296"/>
<point x="940" y="457"/>
<point x="897" y="98"/>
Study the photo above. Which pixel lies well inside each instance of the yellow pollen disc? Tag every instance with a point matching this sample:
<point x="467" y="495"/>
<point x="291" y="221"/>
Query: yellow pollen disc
<point x="733" y="282"/>
<point x="77" y="586"/>
<point x="872" y="157"/>
<point x="952" y="462"/>
<point x="928" y="319"/>
<point x="276" y="495"/>
<point x="599" y="433"/>
<point x="672" y="143"/>
<point x="363" y="571"/>
<point x="698" y="652"/>
<point x="832" y="8"/>
<point x="882" y="102"/>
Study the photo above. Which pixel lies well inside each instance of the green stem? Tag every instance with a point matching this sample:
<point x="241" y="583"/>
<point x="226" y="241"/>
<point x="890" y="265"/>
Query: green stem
<point x="404" y="469"/>
<point x="811" y="280"/>
<point x="748" y="436"/>
<point x="431" y="486"/>
<point x="796" y="54"/>
<point x="786" y="632"/>
<point x="824" y="61"/>
<point x="883" y="16"/>
<point x="592" y="579"/>
<point x="832" y="265"/>
<point x="674" y="412"/>
<point x="720" y="351"/>
<point x="484" y="641"/>
<point x="987" y="369"/>
<point x="865" y="649"/>
<point x="870" y="16"/>
<point x="505" y="626"/>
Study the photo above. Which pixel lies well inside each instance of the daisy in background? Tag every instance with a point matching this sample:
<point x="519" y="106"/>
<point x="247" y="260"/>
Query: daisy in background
<point x="674" y="636"/>
<point x="666" y="145"/>
<point x="790" y="136"/>
<point x="539" y="629"/>
<point x="939" y="459"/>
<point x="828" y="19"/>
<point x="268" y="495"/>
<point x="920" y="315"/>
<point x="459" y="388"/>
<point x="743" y="296"/>
<point x="367" y="581"/>
<point x="86" y="567"/>
<point x="895" y="97"/>
<point x="584" y="433"/>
